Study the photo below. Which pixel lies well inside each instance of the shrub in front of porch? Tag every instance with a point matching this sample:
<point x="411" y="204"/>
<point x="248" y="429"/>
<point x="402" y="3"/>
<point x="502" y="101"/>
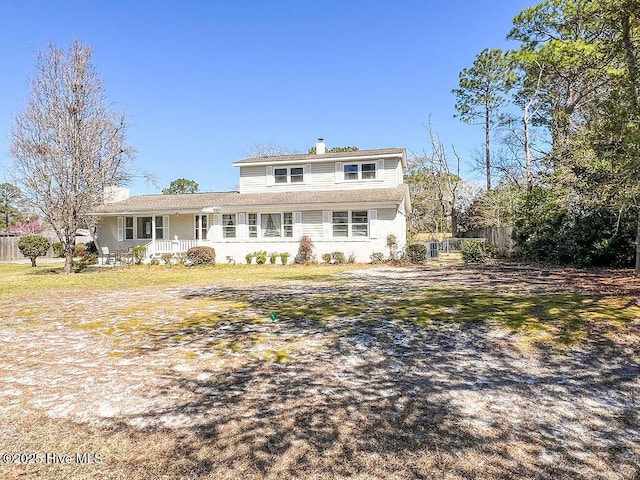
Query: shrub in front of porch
<point x="201" y="255"/>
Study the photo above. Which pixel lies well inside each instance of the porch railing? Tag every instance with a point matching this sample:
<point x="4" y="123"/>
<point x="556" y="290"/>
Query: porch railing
<point x="169" y="246"/>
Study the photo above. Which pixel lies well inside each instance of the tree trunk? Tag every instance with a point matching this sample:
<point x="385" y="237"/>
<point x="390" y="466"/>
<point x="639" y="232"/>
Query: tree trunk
<point x="487" y="145"/>
<point x="637" y="270"/>
<point x="33" y="261"/>
<point x="69" y="247"/>
<point x="527" y="149"/>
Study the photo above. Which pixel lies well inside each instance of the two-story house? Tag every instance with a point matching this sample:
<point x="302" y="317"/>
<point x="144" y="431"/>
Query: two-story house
<point x="347" y="202"/>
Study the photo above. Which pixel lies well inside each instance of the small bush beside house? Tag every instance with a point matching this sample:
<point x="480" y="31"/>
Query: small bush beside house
<point x="416" y="253"/>
<point x="201" y="255"/>
<point x="34" y="246"/>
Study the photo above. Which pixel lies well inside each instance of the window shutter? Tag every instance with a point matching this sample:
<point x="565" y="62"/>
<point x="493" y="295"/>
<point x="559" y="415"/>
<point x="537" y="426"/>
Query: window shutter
<point x="327" y="228"/>
<point x="307" y="174"/>
<point x="339" y="173"/>
<point x="380" y="171"/>
<point x="165" y="227"/>
<point x="242" y="225"/>
<point x="270" y="180"/>
<point x="120" y="229"/>
<point x="373" y="223"/>
<point x="297" y="224"/>
<point x="217" y="225"/>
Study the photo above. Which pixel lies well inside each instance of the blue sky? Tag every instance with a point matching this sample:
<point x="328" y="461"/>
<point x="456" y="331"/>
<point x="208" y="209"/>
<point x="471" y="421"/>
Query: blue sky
<point x="203" y="81"/>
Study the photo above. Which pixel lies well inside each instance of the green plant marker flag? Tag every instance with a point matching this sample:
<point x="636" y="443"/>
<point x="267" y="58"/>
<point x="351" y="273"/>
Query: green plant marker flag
<point x="273" y="316"/>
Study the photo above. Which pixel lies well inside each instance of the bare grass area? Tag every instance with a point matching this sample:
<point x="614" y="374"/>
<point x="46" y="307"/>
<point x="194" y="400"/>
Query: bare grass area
<point x="444" y="371"/>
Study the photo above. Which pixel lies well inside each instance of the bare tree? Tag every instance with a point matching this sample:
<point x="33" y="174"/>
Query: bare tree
<point x="438" y="192"/>
<point x="267" y="150"/>
<point x="67" y="144"/>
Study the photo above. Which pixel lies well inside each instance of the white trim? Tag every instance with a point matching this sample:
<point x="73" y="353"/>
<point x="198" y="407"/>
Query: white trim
<point x="217" y="226"/>
<point x="270" y="177"/>
<point x="327" y="224"/>
<point x="339" y="173"/>
<point x="307" y="174"/>
<point x="380" y="170"/>
<point x="373" y="223"/>
<point x="120" y="229"/>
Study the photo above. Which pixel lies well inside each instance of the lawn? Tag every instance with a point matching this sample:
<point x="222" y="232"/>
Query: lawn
<point x="444" y="371"/>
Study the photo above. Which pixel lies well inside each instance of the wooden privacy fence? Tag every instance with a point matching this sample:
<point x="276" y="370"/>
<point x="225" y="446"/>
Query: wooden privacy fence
<point x="498" y="236"/>
<point x="9" y="248"/>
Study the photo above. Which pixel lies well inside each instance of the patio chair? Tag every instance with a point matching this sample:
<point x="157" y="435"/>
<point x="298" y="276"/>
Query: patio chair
<point x="107" y="257"/>
<point x="127" y="257"/>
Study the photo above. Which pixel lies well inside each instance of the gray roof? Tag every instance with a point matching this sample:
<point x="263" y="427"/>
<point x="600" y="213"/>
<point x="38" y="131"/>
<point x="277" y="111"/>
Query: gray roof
<point x="313" y="157"/>
<point x="194" y="202"/>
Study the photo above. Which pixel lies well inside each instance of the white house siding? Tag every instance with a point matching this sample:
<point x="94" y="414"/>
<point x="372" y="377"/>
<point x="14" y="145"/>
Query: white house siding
<point x="389" y="221"/>
<point x="253" y="179"/>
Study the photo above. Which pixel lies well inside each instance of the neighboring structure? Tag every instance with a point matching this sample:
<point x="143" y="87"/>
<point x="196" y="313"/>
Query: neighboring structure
<point x="347" y="202"/>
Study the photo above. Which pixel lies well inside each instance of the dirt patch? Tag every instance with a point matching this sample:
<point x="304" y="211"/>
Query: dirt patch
<point x="204" y="382"/>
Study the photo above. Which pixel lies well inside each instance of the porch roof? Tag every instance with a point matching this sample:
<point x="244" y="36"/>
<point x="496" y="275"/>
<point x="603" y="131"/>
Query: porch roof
<point x="208" y="202"/>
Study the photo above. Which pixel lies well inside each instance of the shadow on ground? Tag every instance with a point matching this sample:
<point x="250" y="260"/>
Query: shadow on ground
<point x="363" y="393"/>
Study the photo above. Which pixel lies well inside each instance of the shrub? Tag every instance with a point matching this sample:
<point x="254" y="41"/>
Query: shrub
<point x="261" y="257"/>
<point x="201" y="255"/>
<point x="352" y="258"/>
<point x="377" y="257"/>
<point x="166" y="258"/>
<point x="477" y="252"/>
<point x="139" y="253"/>
<point x="305" y="250"/>
<point x="79" y="250"/>
<point x="326" y="257"/>
<point x="472" y="252"/>
<point x="248" y="257"/>
<point x="154" y="261"/>
<point x="284" y="258"/>
<point x="338" y="258"/>
<point x="272" y="258"/>
<point x="416" y="253"/>
<point x="392" y="243"/>
<point x="58" y="250"/>
<point x="33" y="246"/>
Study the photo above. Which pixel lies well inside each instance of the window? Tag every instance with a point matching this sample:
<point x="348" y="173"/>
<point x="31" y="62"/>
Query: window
<point x="351" y="172"/>
<point x="229" y="226"/>
<point x="368" y="171"/>
<point x="288" y="175"/>
<point x="297" y="175"/>
<point x="359" y="171"/>
<point x="340" y="224"/>
<point x="159" y="228"/>
<point x="271" y="223"/>
<point x="359" y="224"/>
<point x="128" y="228"/>
<point x="201" y="226"/>
<point x="280" y="175"/>
<point x="350" y="224"/>
<point x="287" y="224"/>
<point x="253" y="225"/>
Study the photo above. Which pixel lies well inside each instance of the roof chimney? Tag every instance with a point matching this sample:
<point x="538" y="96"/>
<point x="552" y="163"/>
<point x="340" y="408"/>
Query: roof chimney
<point x="320" y="147"/>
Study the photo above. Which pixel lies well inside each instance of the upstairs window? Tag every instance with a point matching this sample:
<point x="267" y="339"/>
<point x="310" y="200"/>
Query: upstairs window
<point x="297" y="175"/>
<point x="288" y="175"/>
<point x="359" y="171"/>
<point x="280" y="175"/>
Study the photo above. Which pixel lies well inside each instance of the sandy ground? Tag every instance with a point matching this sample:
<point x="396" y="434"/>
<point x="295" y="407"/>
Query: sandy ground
<point x="358" y="395"/>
